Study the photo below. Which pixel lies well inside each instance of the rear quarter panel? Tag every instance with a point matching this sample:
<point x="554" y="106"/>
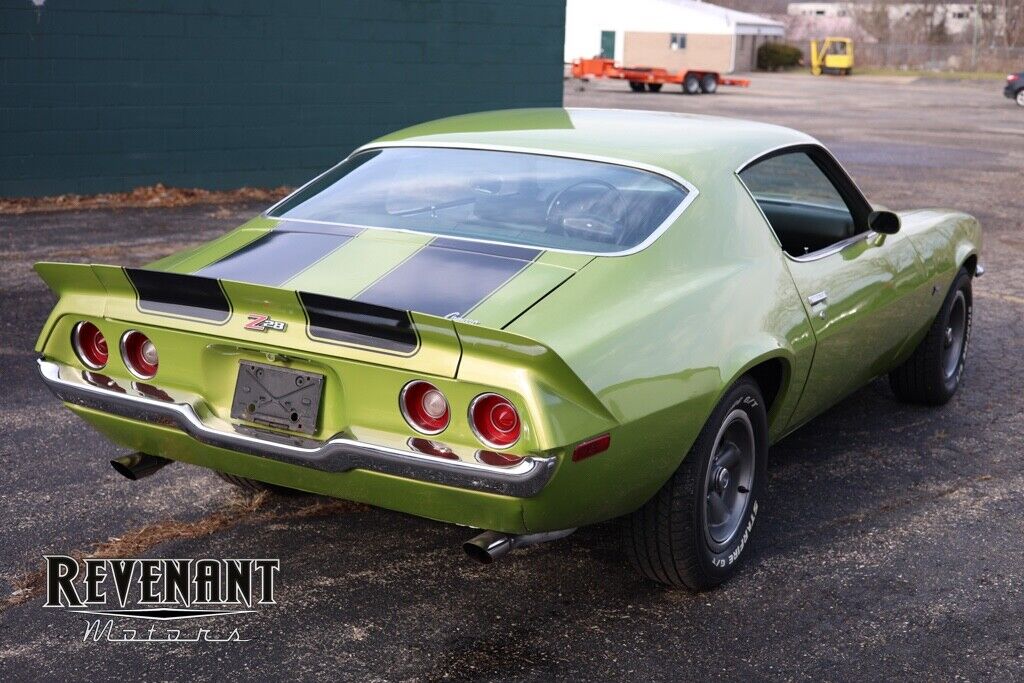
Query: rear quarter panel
<point x="660" y="335"/>
<point x="944" y="239"/>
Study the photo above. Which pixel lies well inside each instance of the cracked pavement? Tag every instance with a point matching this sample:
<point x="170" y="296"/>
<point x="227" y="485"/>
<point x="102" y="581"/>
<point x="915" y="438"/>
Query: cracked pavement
<point x="892" y="539"/>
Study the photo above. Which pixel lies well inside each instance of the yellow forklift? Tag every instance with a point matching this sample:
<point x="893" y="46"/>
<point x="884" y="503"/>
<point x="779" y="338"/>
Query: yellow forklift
<point x="835" y="56"/>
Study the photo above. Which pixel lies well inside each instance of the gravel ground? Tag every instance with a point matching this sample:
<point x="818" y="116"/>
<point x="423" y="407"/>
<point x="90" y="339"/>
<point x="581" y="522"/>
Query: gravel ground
<point x="891" y="543"/>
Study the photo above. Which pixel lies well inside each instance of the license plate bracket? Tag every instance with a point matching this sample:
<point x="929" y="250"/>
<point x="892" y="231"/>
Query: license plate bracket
<point x="277" y="397"/>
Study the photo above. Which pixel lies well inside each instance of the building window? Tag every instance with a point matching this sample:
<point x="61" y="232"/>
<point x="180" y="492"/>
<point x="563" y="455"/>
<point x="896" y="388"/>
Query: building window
<point x="677" y="41"/>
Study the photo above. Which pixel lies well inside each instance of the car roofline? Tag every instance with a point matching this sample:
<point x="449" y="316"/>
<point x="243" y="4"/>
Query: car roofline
<point x="691" y="191"/>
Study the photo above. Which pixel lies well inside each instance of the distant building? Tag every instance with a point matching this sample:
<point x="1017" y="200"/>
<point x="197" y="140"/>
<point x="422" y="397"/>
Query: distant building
<point x="820" y="9"/>
<point x="674" y="34"/>
<point x="959" y="17"/>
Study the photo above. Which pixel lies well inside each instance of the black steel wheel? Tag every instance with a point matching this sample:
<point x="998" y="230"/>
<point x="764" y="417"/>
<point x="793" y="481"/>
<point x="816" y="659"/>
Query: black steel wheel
<point x="636" y="86"/>
<point x="934" y="370"/>
<point x="691" y="84"/>
<point x="694" y="531"/>
<point x="729" y="479"/>
<point x="654" y="87"/>
<point x="709" y="84"/>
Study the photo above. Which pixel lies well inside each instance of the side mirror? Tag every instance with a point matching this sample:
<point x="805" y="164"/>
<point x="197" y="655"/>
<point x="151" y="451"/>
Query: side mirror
<point x="884" y="222"/>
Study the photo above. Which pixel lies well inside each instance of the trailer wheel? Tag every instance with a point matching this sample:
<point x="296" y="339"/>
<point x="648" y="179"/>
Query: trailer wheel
<point x="654" y="87"/>
<point x="691" y="84"/>
<point x="709" y="83"/>
<point x="636" y="86"/>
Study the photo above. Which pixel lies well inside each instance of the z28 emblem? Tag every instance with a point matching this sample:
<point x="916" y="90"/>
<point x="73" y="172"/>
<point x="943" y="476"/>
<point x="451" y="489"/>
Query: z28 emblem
<point x="262" y="323"/>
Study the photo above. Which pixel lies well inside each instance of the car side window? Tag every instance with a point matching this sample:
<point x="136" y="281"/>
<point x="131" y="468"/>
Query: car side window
<point x="803" y="206"/>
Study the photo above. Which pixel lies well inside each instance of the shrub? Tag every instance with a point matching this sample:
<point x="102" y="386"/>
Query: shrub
<point x="775" y="56"/>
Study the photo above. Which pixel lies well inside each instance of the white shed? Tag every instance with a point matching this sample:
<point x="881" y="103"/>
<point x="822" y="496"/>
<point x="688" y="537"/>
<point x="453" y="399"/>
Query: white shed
<point x="668" y="33"/>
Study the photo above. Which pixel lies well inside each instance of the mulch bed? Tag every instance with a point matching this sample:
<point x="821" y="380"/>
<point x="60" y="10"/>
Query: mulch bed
<point x="151" y="196"/>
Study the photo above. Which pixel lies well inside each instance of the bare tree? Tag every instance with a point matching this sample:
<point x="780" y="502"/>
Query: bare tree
<point x="1013" y="22"/>
<point x="874" y="18"/>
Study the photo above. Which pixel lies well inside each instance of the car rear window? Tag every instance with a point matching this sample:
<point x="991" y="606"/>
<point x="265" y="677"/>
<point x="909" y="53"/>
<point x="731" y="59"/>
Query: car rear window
<point x="517" y="198"/>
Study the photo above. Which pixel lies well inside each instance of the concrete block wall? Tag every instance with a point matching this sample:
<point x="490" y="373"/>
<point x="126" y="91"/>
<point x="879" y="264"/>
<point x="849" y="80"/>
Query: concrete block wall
<point x="106" y="95"/>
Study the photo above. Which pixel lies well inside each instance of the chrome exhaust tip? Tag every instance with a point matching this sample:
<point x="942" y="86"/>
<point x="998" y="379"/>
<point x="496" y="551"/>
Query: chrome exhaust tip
<point x="490" y="546"/>
<point x="138" y="465"/>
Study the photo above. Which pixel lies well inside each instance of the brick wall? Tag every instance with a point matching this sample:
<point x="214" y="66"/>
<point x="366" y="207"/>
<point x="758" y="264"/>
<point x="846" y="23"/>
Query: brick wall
<point x="101" y="95"/>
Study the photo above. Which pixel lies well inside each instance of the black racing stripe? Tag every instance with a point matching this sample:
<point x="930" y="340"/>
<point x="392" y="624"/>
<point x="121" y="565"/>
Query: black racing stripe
<point x="277" y="256"/>
<point x="449" y="276"/>
<point x="486" y="248"/>
<point x="175" y="294"/>
<point x="359" y="323"/>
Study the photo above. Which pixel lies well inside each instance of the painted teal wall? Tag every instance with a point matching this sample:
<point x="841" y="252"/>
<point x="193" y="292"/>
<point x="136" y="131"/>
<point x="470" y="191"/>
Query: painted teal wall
<point x="104" y="95"/>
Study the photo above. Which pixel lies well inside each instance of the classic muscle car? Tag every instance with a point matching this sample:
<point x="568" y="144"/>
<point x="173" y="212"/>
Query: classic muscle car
<point x="524" y="322"/>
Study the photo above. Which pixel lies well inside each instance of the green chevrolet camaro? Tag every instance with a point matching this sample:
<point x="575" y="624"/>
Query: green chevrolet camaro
<point x="524" y="322"/>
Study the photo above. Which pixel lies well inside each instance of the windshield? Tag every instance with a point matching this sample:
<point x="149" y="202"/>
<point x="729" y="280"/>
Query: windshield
<point x="517" y="198"/>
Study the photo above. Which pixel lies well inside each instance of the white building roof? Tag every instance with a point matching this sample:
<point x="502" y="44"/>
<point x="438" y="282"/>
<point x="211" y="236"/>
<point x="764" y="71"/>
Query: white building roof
<point x="585" y="19"/>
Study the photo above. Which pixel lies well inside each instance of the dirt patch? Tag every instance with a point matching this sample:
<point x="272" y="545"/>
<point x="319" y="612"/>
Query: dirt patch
<point x="150" y="196"/>
<point x="252" y="509"/>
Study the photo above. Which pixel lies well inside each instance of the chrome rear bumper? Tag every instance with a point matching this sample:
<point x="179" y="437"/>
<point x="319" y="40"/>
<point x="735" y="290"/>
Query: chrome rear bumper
<point x="522" y="480"/>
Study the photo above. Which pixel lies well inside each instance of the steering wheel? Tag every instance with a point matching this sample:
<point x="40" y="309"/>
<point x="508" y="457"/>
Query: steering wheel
<point x="585" y="217"/>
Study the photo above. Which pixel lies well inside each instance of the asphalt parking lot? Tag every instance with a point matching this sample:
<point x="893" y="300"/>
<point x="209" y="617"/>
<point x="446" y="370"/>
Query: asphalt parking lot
<point x="892" y="541"/>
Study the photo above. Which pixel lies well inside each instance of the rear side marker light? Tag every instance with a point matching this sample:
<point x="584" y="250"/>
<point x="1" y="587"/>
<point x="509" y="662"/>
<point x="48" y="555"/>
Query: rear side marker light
<point x="424" y="407"/>
<point x="599" y="444"/>
<point x="90" y="345"/>
<point x="139" y="354"/>
<point x="495" y="421"/>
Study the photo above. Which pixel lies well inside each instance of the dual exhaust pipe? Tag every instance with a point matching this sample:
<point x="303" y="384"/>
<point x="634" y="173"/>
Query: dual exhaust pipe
<point x="485" y="548"/>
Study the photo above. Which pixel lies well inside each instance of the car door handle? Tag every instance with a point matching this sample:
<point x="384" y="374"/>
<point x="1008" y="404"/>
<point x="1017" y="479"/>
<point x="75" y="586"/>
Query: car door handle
<point x="819" y="298"/>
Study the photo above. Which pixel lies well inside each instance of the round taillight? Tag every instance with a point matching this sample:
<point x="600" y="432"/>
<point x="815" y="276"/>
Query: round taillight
<point x="424" y="407"/>
<point x="495" y="420"/>
<point x="139" y="354"/>
<point x="90" y="345"/>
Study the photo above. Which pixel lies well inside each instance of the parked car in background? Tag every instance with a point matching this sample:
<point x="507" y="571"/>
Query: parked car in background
<point x="525" y="322"/>
<point x="1015" y="87"/>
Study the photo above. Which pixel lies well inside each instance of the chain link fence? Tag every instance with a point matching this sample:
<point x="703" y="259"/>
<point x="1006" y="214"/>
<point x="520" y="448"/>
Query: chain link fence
<point x="940" y="57"/>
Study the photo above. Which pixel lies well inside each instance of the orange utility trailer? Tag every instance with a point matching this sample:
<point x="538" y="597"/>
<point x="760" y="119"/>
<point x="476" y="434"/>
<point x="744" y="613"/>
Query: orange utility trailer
<point x="693" y="81"/>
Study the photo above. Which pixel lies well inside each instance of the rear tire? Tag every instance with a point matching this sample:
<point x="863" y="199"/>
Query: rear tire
<point x="636" y="87"/>
<point x="694" y="530"/>
<point x="1020" y="98"/>
<point x="932" y="373"/>
<point x="654" y="87"/>
<point x="691" y="84"/>
<point x="253" y="486"/>
<point x="709" y="84"/>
